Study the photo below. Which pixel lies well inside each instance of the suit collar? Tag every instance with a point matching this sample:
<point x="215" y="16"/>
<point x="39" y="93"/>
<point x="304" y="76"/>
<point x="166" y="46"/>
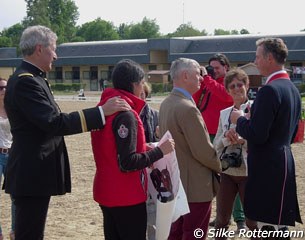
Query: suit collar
<point x="33" y="69"/>
<point x="277" y="75"/>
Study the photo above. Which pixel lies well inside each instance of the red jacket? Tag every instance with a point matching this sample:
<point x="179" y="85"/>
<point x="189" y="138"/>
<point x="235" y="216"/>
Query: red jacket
<point x="215" y="99"/>
<point x="112" y="186"/>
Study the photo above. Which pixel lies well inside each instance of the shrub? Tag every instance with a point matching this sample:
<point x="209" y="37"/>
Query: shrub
<point x="67" y="87"/>
<point x="301" y="88"/>
<point x="161" y="88"/>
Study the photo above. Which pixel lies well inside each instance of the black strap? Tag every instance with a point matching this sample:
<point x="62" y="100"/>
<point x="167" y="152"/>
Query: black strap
<point x="201" y="99"/>
<point x="223" y="152"/>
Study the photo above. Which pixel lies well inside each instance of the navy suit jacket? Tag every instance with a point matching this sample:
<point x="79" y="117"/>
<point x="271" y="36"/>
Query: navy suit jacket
<point x="271" y="194"/>
<point x="38" y="162"/>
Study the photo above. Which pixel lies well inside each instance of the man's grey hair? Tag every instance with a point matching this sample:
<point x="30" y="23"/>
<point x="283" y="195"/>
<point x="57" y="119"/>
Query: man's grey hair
<point x="182" y="64"/>
<point x="34" y="35"/>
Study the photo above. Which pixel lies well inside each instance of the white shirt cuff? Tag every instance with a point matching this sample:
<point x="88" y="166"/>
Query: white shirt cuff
<point x="102" y="114"/>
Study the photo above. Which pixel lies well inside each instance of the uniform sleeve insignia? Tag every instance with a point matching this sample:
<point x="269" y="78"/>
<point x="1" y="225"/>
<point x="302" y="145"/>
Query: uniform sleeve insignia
<point x="123" y="131"/>
<point x="25" y="75"/>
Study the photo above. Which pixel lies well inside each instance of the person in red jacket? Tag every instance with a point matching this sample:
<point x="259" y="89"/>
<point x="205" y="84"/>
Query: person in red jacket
<point x="120" y="154"/>
<point x="212" y="96"/>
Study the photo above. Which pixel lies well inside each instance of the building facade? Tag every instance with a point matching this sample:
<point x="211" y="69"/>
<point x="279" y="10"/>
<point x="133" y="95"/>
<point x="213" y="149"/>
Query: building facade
<point x="88" y="62"/>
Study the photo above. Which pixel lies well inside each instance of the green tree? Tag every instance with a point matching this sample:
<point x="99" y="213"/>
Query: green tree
<point x="60" y="15"/>
<point x="244" y="31"/>
<point x="37" y="13"/>
<point x="98" y="30"/>
<point x="221" y="32"/>
<point x="5" y="42"/>
<point x="77" y="39"/>
<point x="187" y="30"/>
<point x="63" y="17"/>
<point x="204" y="33"/>
<point x="124" y="31"/>
<point x="13" y="33"/>
<point x="144" y="30"/>
<point x="234" y="32"/>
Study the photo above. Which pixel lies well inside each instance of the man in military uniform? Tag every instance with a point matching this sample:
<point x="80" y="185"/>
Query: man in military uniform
<point x="38" y="165"/>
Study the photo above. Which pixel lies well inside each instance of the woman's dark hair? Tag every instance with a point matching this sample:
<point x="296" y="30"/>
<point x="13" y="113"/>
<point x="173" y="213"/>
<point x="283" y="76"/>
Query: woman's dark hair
<point x="221" y="58"/>
<point x="125" y="73"/>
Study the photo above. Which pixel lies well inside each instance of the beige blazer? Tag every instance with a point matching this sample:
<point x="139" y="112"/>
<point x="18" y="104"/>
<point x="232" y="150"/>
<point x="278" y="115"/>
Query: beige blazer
<point x="196" y="156"/>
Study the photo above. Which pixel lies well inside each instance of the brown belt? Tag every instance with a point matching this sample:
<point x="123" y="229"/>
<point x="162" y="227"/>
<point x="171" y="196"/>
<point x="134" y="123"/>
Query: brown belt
<point x="4" y="150"/>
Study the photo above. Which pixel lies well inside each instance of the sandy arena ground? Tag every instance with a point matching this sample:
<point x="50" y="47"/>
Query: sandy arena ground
<point x="76" y="215"/>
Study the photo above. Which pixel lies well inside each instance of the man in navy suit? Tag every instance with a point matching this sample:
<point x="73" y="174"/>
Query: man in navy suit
<point x="38" y="165"/>
<point x="271" y="194"/>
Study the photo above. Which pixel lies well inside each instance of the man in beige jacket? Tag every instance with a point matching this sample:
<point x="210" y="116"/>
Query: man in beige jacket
<point x="196" y="156"/>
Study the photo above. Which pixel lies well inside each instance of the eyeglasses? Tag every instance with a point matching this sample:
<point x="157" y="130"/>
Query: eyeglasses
<point x="235" y="85"/>
<point x="2" y="88"/>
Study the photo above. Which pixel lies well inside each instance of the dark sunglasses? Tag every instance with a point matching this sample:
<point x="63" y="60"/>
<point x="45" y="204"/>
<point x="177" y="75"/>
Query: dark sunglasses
<point x="235" y="85"/>
<point x="2" y="87"/>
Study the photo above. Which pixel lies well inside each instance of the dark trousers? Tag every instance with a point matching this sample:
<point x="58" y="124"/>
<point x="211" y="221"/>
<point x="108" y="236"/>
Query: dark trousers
<point x="31" y="214"/>
<point x="199" y="217"/>
<point x="229" y="187"/>
<point x="125" y="223"/>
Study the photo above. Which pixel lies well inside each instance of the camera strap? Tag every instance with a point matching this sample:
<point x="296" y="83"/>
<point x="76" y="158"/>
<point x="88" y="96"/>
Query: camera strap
<point x="201" y="100"/>
<point x="223" y="152"/>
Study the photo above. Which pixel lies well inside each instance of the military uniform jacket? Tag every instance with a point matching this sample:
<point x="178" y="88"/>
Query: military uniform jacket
<point x="271" y="194"/>
<point x="38" y="162"/>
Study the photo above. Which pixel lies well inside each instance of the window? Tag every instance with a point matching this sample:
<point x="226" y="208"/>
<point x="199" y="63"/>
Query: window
<point x="58" y="71"/>
<point x="152" y="67"/>
<point x="110" y="69"/>
<point x="93" y="72"/>
<point x="75" y="75"/>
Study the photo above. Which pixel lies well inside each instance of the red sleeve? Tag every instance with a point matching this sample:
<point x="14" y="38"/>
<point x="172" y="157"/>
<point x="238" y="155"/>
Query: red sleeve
<point x="217" y="88"/>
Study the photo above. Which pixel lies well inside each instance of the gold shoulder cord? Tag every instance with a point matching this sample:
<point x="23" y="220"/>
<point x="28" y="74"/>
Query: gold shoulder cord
<point x="83" y="121"/>
<point x="25" y="75"/>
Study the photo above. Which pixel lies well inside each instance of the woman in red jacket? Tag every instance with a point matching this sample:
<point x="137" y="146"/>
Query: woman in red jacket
<point x="120" y="183"/>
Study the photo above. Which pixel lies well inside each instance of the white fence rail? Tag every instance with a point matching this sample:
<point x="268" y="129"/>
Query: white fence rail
<point x="97" y="98"/>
